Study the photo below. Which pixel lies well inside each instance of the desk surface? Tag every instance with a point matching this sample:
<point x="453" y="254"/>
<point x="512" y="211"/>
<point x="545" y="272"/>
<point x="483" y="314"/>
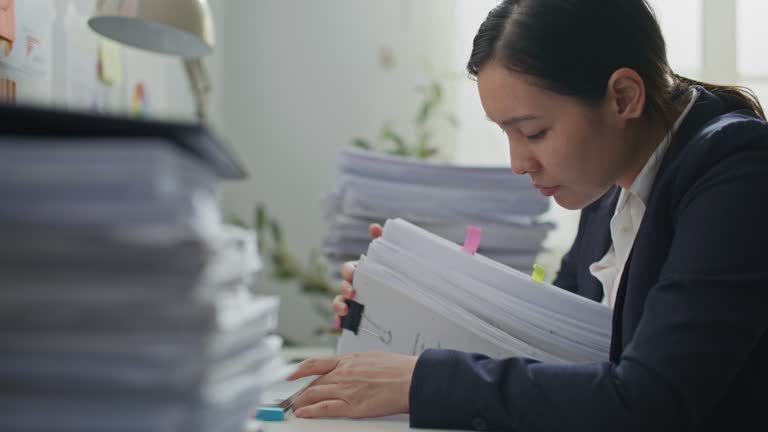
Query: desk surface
<point x="293" y="424"/>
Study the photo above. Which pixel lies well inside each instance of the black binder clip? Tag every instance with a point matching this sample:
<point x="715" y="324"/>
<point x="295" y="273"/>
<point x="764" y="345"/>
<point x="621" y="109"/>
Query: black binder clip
<point x="354" y="316"/>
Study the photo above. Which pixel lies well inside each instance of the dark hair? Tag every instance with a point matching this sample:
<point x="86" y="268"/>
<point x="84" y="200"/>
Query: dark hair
<point x="572" y="47"/>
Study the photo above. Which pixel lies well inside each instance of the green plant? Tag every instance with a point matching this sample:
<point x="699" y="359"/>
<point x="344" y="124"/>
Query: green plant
<point x="420" y="146"/>
<point x="271" y="243"/>
<point x="312" y="278"/>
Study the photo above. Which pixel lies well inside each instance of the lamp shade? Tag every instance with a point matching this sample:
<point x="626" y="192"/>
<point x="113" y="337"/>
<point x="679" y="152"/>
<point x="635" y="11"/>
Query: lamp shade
<point x="175" y="27"/>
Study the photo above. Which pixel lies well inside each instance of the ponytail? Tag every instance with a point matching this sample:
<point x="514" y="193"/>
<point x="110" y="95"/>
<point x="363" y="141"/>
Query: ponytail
<point x="734" y="97"/>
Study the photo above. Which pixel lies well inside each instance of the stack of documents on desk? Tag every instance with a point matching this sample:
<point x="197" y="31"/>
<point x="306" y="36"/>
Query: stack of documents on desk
<point x="421" y="291"/>
<point x="441" y="198"/>
<point x="125" y="302"/>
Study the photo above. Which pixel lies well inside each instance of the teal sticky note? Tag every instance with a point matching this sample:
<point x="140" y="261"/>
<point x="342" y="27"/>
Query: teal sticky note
<point x="270" y="414"/>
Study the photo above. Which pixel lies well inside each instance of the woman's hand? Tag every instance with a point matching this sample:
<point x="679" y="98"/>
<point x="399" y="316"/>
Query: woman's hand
<point x="347" y="273"/>
<point x="372" y="384"/>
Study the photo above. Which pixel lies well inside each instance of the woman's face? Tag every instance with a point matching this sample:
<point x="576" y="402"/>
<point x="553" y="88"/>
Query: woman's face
<point x="571" y="151"/>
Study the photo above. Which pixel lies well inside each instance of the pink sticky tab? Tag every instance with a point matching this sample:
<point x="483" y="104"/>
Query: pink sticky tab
<point x="472" y="242"/>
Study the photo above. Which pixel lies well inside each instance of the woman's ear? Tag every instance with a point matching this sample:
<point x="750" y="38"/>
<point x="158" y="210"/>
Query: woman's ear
<point x="626" y="94"/>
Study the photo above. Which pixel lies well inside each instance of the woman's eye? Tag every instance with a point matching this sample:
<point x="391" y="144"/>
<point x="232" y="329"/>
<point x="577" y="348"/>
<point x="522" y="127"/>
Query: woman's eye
<point x="536" y="136"/>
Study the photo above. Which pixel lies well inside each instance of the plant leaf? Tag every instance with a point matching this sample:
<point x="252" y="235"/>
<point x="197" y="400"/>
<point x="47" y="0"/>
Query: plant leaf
<point x="323" y="308"/>
<point x="424" y="110"/>
<point x="389" y="134"/>
<point x="277" y="233"/>
<point x="428" y="152"/>
<point x="432" y="99"/>
<point x="437" y="92"/>
<point x="236" y="220"/>
<point x="424" y="138"/>
<point x="259" y="217"/>
<point x="362" y="143"/>
<point x="452" y="120"/>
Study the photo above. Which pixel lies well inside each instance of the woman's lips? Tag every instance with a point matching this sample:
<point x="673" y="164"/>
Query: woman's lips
<point x="548" y="190"/>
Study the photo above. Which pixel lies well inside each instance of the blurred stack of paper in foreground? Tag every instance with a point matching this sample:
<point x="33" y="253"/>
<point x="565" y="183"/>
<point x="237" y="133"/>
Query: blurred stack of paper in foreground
<point x="125" y="303"/>
<point x="420" y="291"/>
<point x="441" y="198"/>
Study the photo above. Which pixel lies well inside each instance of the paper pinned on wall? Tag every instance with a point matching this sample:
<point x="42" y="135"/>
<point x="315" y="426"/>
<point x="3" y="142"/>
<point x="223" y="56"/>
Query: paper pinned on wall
<point x="7" y="20"/>
<point x="110" y="62"/>
<point x="128" y="7"/>
<point x="7" y="91"/>
<point x="30" y="52"/>
<point x="140" y="100"/>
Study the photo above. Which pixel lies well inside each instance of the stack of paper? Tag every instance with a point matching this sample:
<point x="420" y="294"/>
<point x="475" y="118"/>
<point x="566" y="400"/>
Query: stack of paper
<point x="440" y="198"/>
<point x="421" y="291"/>
<point x="125" y="302"/>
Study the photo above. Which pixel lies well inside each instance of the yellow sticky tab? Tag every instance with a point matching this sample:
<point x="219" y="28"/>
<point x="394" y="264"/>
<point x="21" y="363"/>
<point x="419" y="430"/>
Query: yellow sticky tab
<point x="110" y="62"/>
<point x="538" y="273"/>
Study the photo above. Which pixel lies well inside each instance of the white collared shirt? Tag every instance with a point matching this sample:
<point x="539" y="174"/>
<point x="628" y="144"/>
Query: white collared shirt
<point x="629" y="213"/>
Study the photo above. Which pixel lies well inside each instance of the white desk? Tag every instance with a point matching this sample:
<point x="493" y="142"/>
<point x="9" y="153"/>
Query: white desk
<point x="293" y="424"/>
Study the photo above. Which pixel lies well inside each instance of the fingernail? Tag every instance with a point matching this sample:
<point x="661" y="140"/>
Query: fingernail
<point x="299" y="412"/>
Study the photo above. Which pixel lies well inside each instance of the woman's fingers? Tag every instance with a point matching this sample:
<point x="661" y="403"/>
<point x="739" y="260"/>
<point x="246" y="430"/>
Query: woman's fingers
<point x="369" y="384"/>
<point x="376" y="231"/>
<point x="348" y="270"/>
<point x="326" y="408"/>
<point x="315" y="394"/>
<point x="347" y="274"/>
<point x="314" y="366"/>
<point x="347" y="291"/>
<point x="339" y="306"/>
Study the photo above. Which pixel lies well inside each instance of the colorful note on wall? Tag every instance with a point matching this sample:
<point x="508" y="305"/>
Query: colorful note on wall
<point x="7" y="91"/>
<point x="110" y="61"/>
<point x="139" y="100"/>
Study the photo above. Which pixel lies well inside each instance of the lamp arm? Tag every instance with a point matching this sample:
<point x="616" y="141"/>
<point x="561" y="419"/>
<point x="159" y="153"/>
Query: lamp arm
<point x="200" y="84"/>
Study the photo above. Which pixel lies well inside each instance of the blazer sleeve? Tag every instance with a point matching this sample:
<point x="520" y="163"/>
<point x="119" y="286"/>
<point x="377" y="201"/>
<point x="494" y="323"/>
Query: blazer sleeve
<point x="699" y="325"/>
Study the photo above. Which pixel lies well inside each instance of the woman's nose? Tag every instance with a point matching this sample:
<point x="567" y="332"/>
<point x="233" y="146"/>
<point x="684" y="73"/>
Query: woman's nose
<point x="523" y="161"/>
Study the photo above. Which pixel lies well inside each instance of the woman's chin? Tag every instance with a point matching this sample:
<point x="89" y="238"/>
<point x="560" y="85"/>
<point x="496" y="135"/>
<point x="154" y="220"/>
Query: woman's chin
<point x="570" y="201"/>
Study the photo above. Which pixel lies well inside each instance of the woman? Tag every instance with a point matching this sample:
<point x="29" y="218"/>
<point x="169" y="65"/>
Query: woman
<point x="669" y="174"/>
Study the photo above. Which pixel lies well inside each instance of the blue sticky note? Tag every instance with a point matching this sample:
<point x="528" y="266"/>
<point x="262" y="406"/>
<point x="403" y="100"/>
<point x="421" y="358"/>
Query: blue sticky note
<point x="270" y="414"/>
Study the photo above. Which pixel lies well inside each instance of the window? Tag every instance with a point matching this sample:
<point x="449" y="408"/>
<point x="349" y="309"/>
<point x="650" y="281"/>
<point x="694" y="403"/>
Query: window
<point x="681" y="24"/>
<point x="751" y="36"/>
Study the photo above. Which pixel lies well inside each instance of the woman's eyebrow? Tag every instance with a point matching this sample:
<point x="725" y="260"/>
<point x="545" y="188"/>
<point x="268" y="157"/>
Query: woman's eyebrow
<point x="516" y="119"/>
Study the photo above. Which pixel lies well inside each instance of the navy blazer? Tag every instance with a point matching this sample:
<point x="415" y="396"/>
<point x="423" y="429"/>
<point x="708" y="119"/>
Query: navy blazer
<point x="689" y="350"/>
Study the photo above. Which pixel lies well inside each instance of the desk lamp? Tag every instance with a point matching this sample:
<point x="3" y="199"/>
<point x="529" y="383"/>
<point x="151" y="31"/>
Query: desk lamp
<point x="182" y="28"/>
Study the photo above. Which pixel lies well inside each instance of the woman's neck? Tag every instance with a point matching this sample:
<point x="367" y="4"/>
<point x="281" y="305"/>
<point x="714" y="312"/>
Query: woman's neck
<point x="644" y="137"/>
